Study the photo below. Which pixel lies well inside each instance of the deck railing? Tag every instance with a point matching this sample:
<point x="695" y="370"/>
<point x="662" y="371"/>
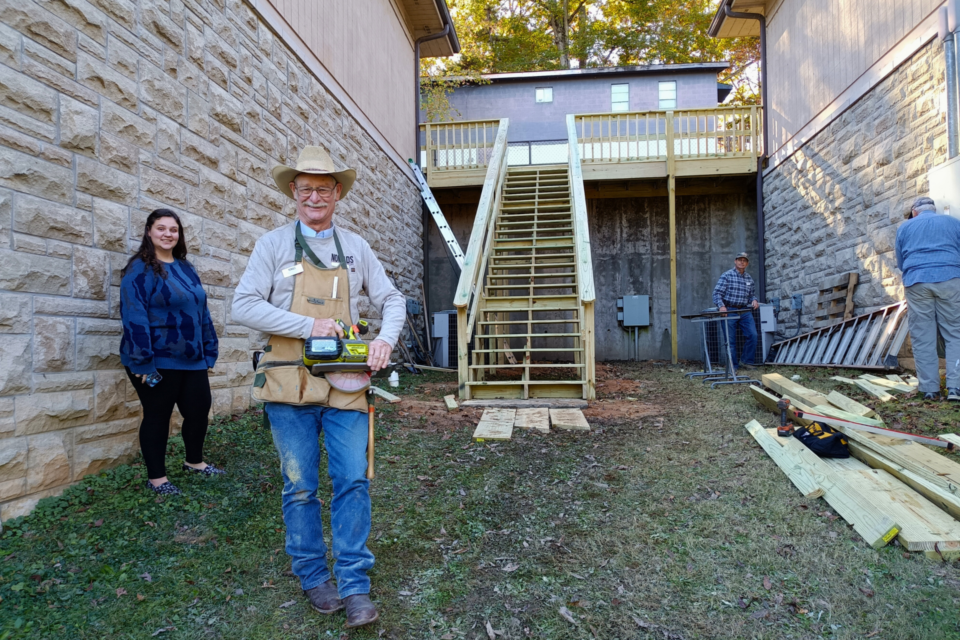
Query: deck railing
<point x="640" y="136"/>
<point x="455" y="146"/>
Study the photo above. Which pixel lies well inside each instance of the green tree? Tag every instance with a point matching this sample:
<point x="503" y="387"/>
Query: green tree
<point x="501" y="36"/>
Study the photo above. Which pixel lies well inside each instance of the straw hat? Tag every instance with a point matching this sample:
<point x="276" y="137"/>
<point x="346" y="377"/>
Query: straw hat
<point x="315" y="161"/>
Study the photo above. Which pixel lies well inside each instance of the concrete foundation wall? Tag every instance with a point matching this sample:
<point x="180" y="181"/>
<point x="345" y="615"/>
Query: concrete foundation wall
<point x="108" y="110"/>
<point x="835" y="205"/>
<point x="629" y="238"/>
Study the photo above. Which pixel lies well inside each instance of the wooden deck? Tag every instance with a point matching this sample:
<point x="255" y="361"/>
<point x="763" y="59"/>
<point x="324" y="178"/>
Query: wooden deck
<point x="612" y="146"/>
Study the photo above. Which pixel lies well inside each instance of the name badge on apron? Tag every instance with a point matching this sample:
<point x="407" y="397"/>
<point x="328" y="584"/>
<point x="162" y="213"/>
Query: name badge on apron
<point x="292" y="271"/>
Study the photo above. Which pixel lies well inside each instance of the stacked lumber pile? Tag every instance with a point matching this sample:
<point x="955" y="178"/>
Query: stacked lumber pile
<point x="890" y="489"/>
<point x="880" y="388"/>
<point x="499" y="423"/>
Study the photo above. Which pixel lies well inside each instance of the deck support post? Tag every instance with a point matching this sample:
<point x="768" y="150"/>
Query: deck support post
<point x="672" y="205"/>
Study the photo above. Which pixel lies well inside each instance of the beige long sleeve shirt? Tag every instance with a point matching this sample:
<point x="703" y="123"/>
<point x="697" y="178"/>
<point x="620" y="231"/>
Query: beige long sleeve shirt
<point x="264" y="296"/>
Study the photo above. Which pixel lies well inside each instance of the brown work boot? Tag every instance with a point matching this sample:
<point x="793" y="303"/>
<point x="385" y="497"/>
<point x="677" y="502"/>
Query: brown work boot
<point x="360" y="611"/>
<point x="324" y="598"/>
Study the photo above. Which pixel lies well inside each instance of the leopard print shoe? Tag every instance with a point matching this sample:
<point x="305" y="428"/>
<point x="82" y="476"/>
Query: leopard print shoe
<point x="209" y="470"/>
<point x="165" y="489"/>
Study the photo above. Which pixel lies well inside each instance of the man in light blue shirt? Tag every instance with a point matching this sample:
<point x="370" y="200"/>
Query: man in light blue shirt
<point x="928" y="255"/>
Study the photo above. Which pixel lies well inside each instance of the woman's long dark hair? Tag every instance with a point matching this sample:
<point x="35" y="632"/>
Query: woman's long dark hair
<point x="148" y="253"/>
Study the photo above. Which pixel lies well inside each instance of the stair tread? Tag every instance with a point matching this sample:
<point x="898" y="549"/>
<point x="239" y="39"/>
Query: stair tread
<point x="519" y="383"/>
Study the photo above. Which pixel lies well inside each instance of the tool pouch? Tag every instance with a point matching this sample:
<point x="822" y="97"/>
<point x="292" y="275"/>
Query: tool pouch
<point x="823" y="440"/>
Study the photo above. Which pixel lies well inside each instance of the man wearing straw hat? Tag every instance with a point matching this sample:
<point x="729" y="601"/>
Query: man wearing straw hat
<point x="300" y="279"/>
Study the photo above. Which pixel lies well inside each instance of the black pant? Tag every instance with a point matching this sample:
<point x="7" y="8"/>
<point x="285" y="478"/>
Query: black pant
<point x="190" y="391"/>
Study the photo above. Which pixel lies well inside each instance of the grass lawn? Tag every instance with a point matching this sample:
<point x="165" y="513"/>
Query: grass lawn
<point x="666" y="521"/>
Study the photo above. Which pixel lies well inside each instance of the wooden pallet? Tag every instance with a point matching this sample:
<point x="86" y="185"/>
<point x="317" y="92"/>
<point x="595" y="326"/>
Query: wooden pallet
<point x="835" y="302"/>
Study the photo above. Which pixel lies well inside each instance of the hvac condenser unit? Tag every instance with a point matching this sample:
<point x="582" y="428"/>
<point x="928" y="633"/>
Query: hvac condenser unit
<point x="444" y="334"/>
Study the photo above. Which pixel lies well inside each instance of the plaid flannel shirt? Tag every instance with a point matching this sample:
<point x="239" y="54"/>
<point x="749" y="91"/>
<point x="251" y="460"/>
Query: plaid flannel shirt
<point x="734" y="290"/>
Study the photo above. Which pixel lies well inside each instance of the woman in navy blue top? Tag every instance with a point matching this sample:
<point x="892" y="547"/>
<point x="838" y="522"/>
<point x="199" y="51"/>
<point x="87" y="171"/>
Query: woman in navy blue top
<point x="168" y="344"/>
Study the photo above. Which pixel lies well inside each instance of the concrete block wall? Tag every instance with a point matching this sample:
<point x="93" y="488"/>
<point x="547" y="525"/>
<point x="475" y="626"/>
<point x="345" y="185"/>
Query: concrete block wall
<point x="835" y="205"/>
<point x="108" y="110"/>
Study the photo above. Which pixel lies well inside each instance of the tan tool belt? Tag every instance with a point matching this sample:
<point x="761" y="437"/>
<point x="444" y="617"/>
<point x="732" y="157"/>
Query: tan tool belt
<point x="318" y="292"/>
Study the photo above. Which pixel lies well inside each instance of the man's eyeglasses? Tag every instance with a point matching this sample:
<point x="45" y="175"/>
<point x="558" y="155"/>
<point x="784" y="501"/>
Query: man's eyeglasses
<point x="323" y="192"/>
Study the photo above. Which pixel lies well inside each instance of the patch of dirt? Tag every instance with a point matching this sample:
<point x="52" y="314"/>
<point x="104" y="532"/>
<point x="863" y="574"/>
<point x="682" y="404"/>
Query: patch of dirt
<point x="438" y="389"/>
<point x="620" y="410"/>
<point x="432" y="416"/>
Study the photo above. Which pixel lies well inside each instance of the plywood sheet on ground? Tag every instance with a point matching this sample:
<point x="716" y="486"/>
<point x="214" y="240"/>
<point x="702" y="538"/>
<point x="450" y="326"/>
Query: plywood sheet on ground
<point x="495" y="424"/>
<point x="538" y="419"/>
<point x="569" y="419"/>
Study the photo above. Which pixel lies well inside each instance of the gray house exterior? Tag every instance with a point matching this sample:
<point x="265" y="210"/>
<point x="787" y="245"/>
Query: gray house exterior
<point x="515" y="95"/>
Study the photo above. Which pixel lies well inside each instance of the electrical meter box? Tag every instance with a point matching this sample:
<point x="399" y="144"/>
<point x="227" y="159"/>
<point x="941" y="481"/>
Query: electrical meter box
<point x="634" y="311"/>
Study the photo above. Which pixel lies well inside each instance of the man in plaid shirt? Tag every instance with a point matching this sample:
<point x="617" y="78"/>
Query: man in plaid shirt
<point x="735" y="290"/>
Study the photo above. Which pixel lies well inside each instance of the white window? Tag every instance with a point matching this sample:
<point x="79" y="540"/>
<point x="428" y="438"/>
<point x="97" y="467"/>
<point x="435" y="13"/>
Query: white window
<point x="544" y="94"/>
<point x="620" y="97"/>
<point x="668" y="95"/>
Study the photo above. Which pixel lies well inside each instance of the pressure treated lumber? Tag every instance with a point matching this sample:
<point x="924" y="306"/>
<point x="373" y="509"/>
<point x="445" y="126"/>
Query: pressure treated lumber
<point x="866" y="385"/>
<point x="769" y="401"/>
<point x="799" y="475"/>
<point x="875" y="526"/>
<point x="534" y="418"/>
<point x="925" y="463"/>
<point x="386" y="395"/>
<point x="793" y="390"/>
<point x="451" y="403"/>
<point x="495" y="424"/>
<point x="571" y="419"/>
<point x="923" y="527"/>
<point x="833" y="412"/>
<point x="935" y="494"/>
<point x="950" y="437"/>
<point x="850" y="405"/>
<point x="888" y="384"/>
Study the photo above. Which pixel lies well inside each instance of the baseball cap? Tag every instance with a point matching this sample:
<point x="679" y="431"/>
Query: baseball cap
<point x="742" y="254"/>
<point x="923" y="203"/>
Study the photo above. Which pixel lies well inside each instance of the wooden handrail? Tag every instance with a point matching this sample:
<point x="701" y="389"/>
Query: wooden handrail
<point x="582" y="230"/>
<point x="458" y="145"/>
<point x="485" y="209"/>
<point x="638" y="136"/>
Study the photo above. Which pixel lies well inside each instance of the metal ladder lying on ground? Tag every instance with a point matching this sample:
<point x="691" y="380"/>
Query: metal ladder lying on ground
<point x="868" y="341"/>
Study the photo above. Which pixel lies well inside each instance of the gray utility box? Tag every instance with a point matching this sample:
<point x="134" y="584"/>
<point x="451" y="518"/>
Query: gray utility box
<point x="633" y="311"/>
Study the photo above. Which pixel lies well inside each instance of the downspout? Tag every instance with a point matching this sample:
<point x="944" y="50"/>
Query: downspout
<point x="762" y="159"/>
<point x="946" y="26"/>
<point x="447" y="30"/>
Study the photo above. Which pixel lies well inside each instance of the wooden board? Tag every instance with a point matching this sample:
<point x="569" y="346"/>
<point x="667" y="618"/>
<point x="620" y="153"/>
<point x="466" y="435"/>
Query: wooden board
<point x="799" y="475"/>
<point x="950" y="437"/>
<point x="873" y="525"/>
<point x="939" y="470"/>
<point x="887" y="384"/>
<point x="937" y="495"/>
<point x="569" y="419"/>
<point x="386" y="395"/>
<point x="549" y="403"/>
<point x="924" y="527"/>
<point x="768" y="400"/>
<point x="793" y="390"/>
<point x="451" y="403"/>
<point x="495" y="424"/>
<point x="538" y="419"/>
<point x="833" y="412"/>
<point x="866" y="385"/>
<point x="850" y="405"/>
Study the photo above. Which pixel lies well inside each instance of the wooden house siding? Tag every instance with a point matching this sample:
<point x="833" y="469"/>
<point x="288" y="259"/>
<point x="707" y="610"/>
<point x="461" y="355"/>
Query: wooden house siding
<point x="368" y="50"/>
<point x="818" y="48"/>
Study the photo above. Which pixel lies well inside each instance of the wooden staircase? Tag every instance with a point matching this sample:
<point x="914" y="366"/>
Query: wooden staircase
<point x="528" y="332"/>
<point x="525" y="297"/>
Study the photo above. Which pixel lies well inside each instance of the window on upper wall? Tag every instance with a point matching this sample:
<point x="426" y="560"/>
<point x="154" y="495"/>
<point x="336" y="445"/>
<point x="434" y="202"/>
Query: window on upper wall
<point x="620" y="97"/>
<point x="668" y="95"/>
<point x="544" y="94"/>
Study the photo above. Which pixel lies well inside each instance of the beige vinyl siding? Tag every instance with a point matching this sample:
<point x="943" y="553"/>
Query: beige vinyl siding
<point x="818" y="48"/>
<point x="368" y="51"/>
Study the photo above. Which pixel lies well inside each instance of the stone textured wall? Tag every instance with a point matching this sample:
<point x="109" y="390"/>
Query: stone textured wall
<point x="108" y="110"/>
<point x="835" y="205"/>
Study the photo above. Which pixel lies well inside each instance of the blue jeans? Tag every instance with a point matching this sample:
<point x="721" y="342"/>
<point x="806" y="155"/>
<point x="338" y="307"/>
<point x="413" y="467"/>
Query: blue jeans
<point x="749" y="329"/>
<point x="296" y="431"/>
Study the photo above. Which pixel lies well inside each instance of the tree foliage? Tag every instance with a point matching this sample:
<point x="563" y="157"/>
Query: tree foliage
<point x="500" y="36"/>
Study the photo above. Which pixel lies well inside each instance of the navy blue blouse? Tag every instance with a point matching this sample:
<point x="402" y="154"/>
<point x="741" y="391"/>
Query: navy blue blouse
<point x="166" y="323"/>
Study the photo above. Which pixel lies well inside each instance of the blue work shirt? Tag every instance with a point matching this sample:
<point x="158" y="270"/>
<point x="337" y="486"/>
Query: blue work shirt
<point x="928" y="248"/>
